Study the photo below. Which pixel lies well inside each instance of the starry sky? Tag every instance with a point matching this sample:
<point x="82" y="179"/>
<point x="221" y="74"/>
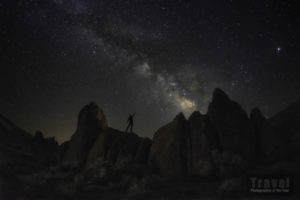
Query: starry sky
<point x="153" y="57"/>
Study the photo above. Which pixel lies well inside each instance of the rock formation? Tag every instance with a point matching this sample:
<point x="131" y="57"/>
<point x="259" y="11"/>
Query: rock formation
<point x="47" y="149"/>
<point x="234" y="128"/>
<point x="101" y="146"/>
<point x="22" y="153"/>
<point x="199" y="154"/>
<point x="183" y="147"/>
<point x="91" y="123"/>
<point x="95" y="142"/>
<point x="222" y="145"/>
<point x="170" y="146"/>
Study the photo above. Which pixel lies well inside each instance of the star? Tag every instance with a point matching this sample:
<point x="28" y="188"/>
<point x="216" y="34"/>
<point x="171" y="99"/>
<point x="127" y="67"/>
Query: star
<point x="278" y="50"/>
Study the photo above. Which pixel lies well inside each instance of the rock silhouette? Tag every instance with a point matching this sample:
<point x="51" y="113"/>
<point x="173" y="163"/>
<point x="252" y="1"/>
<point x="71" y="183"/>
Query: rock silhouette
<point x="199" y="152"/>
<point x="91" y="123"/>
<point x="101" y="146"/>
<point x="271" y="143"/>
<point x="22" y="153"/>
<point x="170" y="146"/>
<point x="234" y="129"/>
<point x="217" y="148"/>
<point x="46" y="148"/>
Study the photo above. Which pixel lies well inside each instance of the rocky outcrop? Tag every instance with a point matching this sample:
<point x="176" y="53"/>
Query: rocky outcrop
<point x="234" y="128"/>
<point x="169" y="148"/>
<point x="183" y="147"/>
<point x="199" y="154"/>
<point x="95" y="142"/>
<point x="91" y="123"/>
<point x="22" y="153"/>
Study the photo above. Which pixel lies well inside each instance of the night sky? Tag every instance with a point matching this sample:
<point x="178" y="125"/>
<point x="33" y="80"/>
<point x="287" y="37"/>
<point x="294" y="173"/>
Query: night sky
<point x="152" y="57"/>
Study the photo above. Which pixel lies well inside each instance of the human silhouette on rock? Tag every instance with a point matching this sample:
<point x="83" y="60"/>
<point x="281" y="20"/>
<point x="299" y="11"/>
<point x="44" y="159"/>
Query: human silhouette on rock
<point x="130" y="122"/>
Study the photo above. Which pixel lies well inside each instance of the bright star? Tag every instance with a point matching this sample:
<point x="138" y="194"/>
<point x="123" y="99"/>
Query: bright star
<point x="278" y="49"/>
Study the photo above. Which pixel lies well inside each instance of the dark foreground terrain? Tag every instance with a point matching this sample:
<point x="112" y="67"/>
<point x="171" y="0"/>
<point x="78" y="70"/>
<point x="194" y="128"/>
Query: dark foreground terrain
<point x="207" y="156"/>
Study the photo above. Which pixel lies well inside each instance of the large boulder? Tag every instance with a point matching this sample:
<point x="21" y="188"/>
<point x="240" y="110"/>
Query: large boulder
<point x="91" y="123"/>
<point x="234" y="128"/>
<point x="169" y="148"/>
<point x="199" y="149"/>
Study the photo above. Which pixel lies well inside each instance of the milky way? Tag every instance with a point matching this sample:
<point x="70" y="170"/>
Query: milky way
<point x="155" y="58"/>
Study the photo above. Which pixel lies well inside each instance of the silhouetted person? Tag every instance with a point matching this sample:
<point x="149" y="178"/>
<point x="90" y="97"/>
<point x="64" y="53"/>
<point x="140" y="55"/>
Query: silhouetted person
<point x="130" y="122"/>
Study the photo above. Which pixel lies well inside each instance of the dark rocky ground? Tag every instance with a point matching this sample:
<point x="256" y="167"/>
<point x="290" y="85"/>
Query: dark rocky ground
<point x="207" y="156"/>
